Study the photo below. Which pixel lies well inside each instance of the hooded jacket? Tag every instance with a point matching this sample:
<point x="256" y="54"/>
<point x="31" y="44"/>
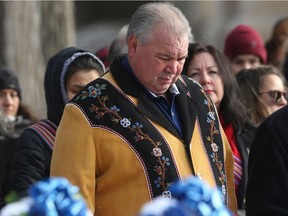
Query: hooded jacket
<point x="33" y="153"/>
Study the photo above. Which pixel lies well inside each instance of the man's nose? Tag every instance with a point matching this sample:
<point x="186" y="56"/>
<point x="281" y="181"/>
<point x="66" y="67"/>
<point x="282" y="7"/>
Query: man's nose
<point x="172" y="66"/>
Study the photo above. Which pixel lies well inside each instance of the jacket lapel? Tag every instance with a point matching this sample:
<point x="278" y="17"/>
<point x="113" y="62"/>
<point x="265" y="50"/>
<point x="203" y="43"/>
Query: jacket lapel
<point x="187" y="110"/>
<point x="150" y="109"/>
<point x="186" y="106"/>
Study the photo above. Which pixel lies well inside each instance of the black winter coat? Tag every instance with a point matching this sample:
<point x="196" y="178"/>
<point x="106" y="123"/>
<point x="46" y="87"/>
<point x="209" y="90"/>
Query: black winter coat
<point x="9" y="136"/>
<point x="267" y="188"/>
<point x="31" y="161"/>
<point x="7" y="146"/>
<point x="244" y="137"/>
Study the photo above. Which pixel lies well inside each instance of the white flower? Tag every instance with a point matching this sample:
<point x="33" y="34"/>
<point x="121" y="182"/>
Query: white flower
<point x="17" y="208"/>
<point x="157" y="206"/>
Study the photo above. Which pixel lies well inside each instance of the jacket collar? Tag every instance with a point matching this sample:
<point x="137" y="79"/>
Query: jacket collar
<point x="186" y="106"/>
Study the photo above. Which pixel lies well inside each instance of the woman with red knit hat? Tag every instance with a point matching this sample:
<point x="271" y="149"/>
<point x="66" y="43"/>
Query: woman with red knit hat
<point x="245" y="48"/>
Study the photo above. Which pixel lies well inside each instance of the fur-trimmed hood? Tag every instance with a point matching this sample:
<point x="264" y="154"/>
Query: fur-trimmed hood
<point x="55" y="75"/>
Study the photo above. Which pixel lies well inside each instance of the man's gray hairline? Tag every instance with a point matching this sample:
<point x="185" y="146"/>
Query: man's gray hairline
<point x="144" y="34"/>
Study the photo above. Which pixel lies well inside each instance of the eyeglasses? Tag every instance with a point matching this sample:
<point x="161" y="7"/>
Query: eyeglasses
<point x="276" y="95"/>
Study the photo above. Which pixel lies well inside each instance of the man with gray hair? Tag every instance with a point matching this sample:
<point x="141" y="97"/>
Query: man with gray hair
<point x="118" y="45"/>
<point x="131" y="134"/>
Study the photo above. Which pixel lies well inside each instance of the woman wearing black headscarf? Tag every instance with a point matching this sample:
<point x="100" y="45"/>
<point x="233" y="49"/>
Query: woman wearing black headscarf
<point x="14" y="118"/>
<point x="66" y="73"/>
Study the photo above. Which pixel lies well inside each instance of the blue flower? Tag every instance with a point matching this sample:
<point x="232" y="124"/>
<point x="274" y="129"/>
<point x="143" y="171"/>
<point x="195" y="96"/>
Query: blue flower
<point x="157" y="182"/>
<point x="192" y="197"/>
<point x="137" y="125"/>
<point x="56" y="196"/>
<point x="94" y="92"/>
<point x="49" y="197"/>
<point x="114" y="108"/>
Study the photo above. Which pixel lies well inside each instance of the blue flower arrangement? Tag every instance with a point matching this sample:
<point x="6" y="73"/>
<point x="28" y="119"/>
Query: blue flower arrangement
<point x="49" y="197"/>
<point x="192" y="197"/>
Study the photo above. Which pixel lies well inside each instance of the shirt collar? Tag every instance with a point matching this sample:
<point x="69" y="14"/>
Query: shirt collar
<point x="173" y="90"/>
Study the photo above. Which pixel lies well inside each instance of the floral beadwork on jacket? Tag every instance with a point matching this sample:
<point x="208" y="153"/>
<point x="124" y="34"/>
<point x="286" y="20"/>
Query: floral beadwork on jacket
<point x="100" y="108"/>
<point x="215" y="158"/>
<point x="111" y="109"/>
<point x="211" y="146"/>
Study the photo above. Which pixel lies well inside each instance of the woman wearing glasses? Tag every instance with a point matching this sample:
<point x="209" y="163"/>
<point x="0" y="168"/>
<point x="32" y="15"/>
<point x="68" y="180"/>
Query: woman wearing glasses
<point x="263" y="90"/>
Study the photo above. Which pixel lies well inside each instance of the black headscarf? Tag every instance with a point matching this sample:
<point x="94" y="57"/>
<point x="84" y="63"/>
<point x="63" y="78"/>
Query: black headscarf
<point x="55" y="93"/>
<point x="8" y="80"/>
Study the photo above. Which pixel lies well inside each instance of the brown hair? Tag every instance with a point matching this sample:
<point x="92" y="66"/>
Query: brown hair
<point x="277" y="45"/>
<point x="250" y="81"/>
<point x="231" y="107"/>
<point x="27" y="113"/>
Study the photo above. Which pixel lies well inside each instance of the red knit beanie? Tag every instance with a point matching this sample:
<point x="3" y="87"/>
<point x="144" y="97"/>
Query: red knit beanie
<point x="244" y="40"/>
<point x="102" y="54"/>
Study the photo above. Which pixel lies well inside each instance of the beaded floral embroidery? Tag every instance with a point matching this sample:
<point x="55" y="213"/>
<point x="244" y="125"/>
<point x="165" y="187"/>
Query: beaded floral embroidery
<point x="101" y="108"/>
<point x="215" y="157"/>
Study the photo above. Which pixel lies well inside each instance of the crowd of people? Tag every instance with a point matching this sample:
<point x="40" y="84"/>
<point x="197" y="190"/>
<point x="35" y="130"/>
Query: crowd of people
<point x="127" y="122"/>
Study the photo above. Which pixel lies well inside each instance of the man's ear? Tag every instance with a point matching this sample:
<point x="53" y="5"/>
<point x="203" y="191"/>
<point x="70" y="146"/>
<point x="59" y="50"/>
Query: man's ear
<point x="132" y="43"/>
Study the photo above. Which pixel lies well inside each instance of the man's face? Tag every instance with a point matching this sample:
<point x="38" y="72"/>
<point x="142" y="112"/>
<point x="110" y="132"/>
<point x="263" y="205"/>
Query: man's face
<point x="245" y="61"/>
<point x="159" y="62"/>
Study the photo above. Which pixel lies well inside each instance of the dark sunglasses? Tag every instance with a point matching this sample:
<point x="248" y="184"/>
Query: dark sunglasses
<point x="276" y="95"/>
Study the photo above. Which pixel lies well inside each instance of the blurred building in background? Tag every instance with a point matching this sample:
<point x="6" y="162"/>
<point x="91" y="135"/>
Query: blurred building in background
<point x="98" y="22"/>
<point x="32" y="31"/>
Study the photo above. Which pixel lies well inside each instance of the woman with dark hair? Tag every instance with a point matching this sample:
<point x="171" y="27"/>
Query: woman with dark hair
<point x="11" y="106"/>
<point x="277" y="45"/>
<point x="66" y="74"/>
<point x="14" y="118"/>
<point x="263" y="90"/>
<point x="208" y="66"/>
